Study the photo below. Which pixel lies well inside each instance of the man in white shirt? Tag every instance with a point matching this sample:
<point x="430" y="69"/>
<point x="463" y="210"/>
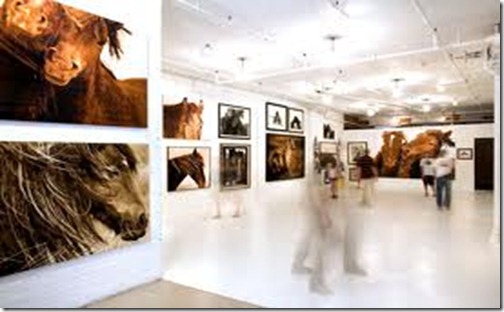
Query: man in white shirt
<point x="443" y="168"/>
<point x="427" y="168"/>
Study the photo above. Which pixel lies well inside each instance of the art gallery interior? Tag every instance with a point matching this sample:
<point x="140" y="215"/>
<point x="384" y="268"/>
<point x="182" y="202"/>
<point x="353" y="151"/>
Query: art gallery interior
<point x="244" y="99"/>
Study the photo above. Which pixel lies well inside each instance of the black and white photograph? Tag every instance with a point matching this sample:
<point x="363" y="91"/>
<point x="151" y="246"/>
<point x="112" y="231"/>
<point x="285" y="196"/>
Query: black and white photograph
<point x="235" y="166"/>
<point x="464" y="153"/>
<point x="276" y="117"/>
<point x="329" y="133"/>
<point x="296" y="120"/>
<point x="62" y="201"/>
<point x="234" y="121"/>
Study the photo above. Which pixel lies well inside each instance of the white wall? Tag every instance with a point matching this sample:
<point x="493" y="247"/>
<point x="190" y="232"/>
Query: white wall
<point x="463" y="136"/>
<point x="188" y="209"/>
<point x="78" y="282"/>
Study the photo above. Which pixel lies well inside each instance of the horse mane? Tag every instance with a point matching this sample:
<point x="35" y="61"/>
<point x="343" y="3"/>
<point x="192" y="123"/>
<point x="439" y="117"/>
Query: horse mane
<point x="113" y="29"/>
<point x="46" y="203"/>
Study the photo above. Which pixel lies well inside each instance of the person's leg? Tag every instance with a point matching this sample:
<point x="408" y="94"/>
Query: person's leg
<point x="318" y="281"/>
<point x="433" y="186"/>
<point x="448" y="194"/>
<point x="353" y="241"/>
<point x="439" y="192"/>
<point x="424" y="180"/>
<point x="301" y="254"/>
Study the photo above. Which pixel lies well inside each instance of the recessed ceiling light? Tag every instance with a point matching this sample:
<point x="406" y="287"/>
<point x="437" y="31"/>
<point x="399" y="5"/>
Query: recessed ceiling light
<point x="426" y="108"/>
<point x="207" y="49"/>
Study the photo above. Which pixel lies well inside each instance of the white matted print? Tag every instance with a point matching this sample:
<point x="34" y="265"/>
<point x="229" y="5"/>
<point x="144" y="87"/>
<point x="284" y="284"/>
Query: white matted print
<point x="296" y="120"/>
<point x="276" y="117"/>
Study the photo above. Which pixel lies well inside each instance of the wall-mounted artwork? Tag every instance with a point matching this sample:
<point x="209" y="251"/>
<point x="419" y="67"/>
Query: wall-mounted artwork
<point x="296" y="120"/>
<point x="464" y="153"/>
<point x="401" y="158"/>
<point x="285" y="157"/>
<point x="183" y="120"/>
<point x="60" y="64"/>
<point x="354" y="151"/>
<point x="61" y="201"/>
<point x="276" y="117"/>
<point x="329" y="133"/>
<point x="235" y="166"/>
<point x="328" y="148"/>
<point x="353" y="174"/>
<point x="188" y="168"/>
<point x="234" y="122"/>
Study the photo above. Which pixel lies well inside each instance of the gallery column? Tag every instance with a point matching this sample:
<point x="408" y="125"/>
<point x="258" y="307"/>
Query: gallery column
<point x="495" y="235"/>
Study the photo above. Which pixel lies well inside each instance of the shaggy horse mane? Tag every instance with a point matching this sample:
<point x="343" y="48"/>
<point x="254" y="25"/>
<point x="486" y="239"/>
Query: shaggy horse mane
<point x="46" y="202"/>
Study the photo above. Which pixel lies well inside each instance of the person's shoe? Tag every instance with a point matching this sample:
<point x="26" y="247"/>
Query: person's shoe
<point x="355" y="270"/>
<point x="301" y="269"/>
<point x="320" y="288"/>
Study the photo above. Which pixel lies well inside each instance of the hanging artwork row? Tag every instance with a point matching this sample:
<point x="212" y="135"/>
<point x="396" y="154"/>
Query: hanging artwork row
<point x="282" y="118"/>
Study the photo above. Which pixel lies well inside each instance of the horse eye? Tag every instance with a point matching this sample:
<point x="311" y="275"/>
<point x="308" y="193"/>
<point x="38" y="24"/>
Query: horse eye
<point x="42" y="19"/>
<point x="75" y="66"/>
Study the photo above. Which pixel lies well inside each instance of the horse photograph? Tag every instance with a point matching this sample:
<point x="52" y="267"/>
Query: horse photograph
<point x="60" y="201"/>
<point x="234" y="122"/>
<point x="285" y="157"/>
<point x="183" y="120"/>
<point x="296" y="120"/>
<point x="64" y="65"/>
<point x="235" y="166"/>
<point x="188" y="168"/>
<point x="276" y="117"/>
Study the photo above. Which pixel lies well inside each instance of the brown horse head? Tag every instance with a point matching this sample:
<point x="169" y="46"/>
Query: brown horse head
<point x="193" y="120"/>
<point x="33" y="17"/>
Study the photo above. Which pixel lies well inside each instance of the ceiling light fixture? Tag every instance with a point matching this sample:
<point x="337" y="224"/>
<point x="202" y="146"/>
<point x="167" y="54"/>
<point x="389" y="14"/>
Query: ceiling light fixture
<point x="426" y="108"/>
<point x="207" y="49"/>
<point x="242" y="74"/>
<point x="397" y="90"/>
<point x="327" y="99"/>
<point x="455" y="103"/>
<point x="440" y="88"/>
<point x="371" y="112"/>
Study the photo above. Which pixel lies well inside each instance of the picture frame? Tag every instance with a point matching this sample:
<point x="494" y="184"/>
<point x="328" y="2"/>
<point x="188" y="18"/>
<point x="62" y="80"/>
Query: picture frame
<point x="235" y="166"/>
<point x="296" y="120"/>
<point x="464" y="153"/>
<point x="355" y="150"/>
<point x="353" y="174"/>
<point x="234" y="122"/>
<point x="328" y="148"/>
<point x="188" y="168"/>
<point x="276" y="117"/>
<point x="280" y="146"/>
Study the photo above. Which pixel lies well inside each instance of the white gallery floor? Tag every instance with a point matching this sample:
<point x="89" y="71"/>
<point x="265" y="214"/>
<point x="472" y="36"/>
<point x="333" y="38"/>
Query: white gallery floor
<point x="414" y="255"/>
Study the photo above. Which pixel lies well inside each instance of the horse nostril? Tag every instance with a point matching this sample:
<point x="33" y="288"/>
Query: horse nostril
<point x="42" y="19"/>
<point x="51" y="54"/>
<point x="75" y="66"/>
<point x="18" y="4"/>
<point x="142" y="220"/>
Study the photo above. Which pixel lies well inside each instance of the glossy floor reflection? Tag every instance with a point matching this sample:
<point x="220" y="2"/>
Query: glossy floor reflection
<point x="415" y="256"/>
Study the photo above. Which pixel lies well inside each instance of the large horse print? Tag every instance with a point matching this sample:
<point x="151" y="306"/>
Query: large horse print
<point x="183" y="120"/>
<point x="285" y="157"/>
<point x="56" y="55"/>
<point x="60" y="201"/>
<point x="188" y="168"/>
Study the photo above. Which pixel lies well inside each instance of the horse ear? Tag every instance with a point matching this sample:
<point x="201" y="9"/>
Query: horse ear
<point x="101" y="32"/>
<point x="195" y="152"/>
<point x="184" y="100"/>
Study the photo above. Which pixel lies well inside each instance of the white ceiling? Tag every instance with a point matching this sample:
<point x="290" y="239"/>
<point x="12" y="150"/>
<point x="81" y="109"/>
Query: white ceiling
<point x="425" y="43"/>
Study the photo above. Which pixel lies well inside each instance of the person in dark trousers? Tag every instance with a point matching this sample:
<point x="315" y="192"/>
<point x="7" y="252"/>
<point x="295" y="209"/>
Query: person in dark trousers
<point x="368" y="175"/>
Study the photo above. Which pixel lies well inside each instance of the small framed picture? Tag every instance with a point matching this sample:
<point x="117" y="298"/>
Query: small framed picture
<point x="296" y="120"/>
<point x="464" y="153"/>
<point x="235" y="166"/>
<point x="276" y="117"/>
<point x="328" y="148"/>
<point x="353" y="174"/>
<point x="354" y="151"/>
<point x="234" y="122"/>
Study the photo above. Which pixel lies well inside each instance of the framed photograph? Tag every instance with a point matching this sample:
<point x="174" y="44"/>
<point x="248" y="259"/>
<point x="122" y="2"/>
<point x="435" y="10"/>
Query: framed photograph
<point x="188" y="168"/>
<point x="183" y="120"/>
<point x="354" y="151"/>
<point x="353" y="174"/>
<point x="235" y="166"/>
<point x="276" y="117"/>
<point x="464" y="153"/>
<point x="329" y="133"/>
<point x="328" y="148"/>
<point x="285" y="157"/>
<point x="234" y="122"/>
<point x="88" y="198"/>
<point x="94" y="80"/>
<point x="296" y="120"/>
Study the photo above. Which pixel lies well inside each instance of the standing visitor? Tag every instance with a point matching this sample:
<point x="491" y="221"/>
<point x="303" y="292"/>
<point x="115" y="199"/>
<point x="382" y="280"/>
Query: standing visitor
<point x="334" y="172"/>
<point x="443" y="168"/>
<point x="427" y="170"/>
<point x="367" y="176"/>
